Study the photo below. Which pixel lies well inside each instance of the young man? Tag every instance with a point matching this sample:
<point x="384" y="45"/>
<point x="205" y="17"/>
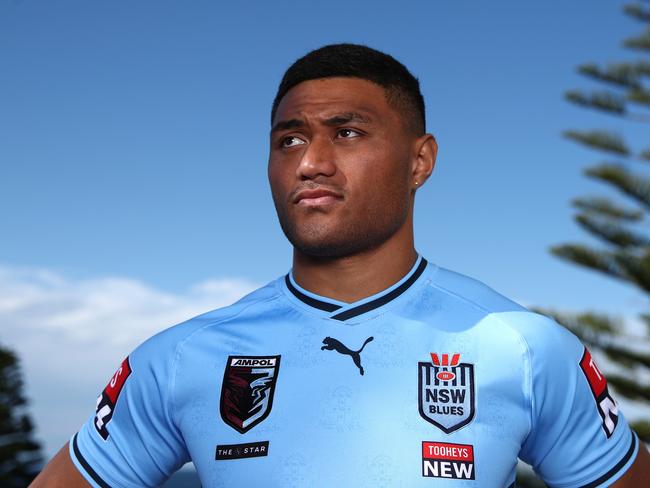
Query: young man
<point x="365" y="366"/>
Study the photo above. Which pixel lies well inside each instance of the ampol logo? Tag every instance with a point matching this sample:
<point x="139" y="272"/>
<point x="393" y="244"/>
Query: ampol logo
<point x="247" y="390"/>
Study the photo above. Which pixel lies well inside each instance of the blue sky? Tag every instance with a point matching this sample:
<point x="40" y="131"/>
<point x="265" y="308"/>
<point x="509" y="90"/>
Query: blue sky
<point x="133" y="148"/>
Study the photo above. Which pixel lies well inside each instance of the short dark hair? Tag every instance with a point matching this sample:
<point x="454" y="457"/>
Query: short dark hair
<point x="359" y="61"/>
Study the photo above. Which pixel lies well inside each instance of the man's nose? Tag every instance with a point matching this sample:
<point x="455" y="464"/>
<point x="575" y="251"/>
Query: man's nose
<point x="317" y="160"/>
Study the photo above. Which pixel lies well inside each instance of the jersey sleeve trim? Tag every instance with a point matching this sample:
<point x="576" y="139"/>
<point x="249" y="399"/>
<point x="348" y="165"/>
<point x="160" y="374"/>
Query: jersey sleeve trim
<point x="87" y="467"/>
<point x="615" y="470"/>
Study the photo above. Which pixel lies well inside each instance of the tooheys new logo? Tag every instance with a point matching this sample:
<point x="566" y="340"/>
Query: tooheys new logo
<point x="446" y="392"/>
<point x="443" y="460"/>
<point x="108" y="398"/>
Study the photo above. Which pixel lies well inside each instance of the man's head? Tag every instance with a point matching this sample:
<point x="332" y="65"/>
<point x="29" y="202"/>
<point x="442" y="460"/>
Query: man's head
<point x="348" y="150"/>
<point x="356" y="61"/>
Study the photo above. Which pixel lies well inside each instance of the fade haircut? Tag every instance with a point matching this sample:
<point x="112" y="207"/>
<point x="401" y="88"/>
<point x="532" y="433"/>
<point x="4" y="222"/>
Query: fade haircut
<point x="354" y="60"/>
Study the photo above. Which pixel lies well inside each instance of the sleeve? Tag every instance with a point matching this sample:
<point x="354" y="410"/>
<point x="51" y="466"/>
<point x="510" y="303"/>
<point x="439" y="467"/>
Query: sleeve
<point x="132" y="439"/>
<point x="578" y="436"/>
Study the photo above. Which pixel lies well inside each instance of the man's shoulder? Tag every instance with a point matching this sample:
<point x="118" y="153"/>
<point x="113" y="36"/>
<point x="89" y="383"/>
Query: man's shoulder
<point x="534" y="330"/>
<point x="257" y="302"/>
<point x="472" y="292"/>
<point x="541" y="335"/>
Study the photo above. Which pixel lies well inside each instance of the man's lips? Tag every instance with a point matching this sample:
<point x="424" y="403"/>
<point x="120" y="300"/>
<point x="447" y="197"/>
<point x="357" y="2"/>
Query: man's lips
<point x="316" y="197"/>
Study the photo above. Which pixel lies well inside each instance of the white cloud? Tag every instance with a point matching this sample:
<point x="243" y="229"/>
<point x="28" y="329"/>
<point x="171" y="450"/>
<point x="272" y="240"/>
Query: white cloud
<point x="72" y="334"/>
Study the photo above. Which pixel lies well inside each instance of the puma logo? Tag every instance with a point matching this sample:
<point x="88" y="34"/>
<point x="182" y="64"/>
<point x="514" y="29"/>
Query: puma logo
<point x="332" y="344"/>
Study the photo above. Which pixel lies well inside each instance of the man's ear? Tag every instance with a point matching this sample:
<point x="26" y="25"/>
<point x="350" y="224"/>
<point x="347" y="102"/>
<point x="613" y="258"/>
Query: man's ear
<point x="425" y="150"/>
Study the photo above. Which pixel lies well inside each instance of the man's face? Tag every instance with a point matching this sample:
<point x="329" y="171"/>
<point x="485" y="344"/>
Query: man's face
<point x="339" y="167"/>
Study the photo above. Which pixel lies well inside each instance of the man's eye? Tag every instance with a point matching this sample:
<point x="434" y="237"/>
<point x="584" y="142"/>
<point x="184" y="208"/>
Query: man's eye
<point x="291" y="141"/>
<point x="348" y="133"/>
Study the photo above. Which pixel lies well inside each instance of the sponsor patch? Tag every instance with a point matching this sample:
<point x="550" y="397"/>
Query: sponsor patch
<point x="444" y="460"/>
<point x="446" y="396"/>
<point x="108" y="399"/>
<point x="247" y="390"/>
<point x="242" y="451"/>
<point x="606" y="405"/>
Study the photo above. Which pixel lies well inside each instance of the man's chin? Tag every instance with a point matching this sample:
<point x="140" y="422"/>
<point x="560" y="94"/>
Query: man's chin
<point x="324" y="249"/>
<point x="332" y="242"/>
<point x="331" y="246"/>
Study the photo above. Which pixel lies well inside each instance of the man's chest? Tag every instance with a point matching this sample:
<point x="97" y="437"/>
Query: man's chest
<point x="380" y="405"/>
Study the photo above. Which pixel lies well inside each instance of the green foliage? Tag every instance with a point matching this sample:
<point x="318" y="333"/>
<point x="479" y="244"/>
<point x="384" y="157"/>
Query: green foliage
<point x="622" y="74"/>
<point x="641" y="42"/>
<point x="607" y="101"/>
<point x="605" y="208"/>
<point x="620" y="229"/>
<point x="599" y="139"/>
<point x="587" y="257"/>
<point x="629" y="388"/>
<point x="612" y="231"/>
<point x="639" y="95"/>
<point x="631" y="184"/>
<point x="20" y="457"/>
<point x="642" y="427"/>
<point x="642" y="68"/>
<point x="638" y="12"/>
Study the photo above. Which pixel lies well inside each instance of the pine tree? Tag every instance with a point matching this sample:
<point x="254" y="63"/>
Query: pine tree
<point x="20" y="457"/>
<point x="618" y="223"/>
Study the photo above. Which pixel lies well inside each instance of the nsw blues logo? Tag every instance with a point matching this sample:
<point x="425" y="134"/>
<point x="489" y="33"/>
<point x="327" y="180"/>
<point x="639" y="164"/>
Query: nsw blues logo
<point x="247" y="390"/>
<point x="446" y="396"/>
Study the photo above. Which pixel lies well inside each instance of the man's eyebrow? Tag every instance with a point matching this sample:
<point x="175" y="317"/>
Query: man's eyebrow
<point x="287" y="124"/>
<point x="346" y="117"/>
<point x="335" y="120"/>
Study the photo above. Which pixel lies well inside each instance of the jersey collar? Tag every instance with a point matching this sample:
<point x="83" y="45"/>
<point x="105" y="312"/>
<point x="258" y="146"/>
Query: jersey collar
<point x="342" y="311"/>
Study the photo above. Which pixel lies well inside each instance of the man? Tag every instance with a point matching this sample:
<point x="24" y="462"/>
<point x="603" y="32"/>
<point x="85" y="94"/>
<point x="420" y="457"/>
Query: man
<point x="365" y="366"/>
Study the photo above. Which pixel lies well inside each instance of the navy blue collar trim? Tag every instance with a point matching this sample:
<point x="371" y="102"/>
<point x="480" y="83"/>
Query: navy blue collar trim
<point x="328" y="307"/>
<point x="364" y="307"/>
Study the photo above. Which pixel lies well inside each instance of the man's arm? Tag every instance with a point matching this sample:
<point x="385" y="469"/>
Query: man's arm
<point x="639" y="472"/>
<point x="578" y="435"/>
<point x="61" y="472"/>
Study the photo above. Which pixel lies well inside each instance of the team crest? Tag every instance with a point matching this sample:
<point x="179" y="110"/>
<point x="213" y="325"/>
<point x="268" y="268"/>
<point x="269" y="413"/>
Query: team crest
<point x="247" y="390"/>
<point x="446" y="396"/>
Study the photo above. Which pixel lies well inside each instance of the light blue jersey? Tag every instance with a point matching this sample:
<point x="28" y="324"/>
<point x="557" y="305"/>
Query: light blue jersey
<point x="436" y="381"/>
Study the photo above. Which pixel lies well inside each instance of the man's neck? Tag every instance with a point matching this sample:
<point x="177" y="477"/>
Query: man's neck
<point x="355" y="277"/>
